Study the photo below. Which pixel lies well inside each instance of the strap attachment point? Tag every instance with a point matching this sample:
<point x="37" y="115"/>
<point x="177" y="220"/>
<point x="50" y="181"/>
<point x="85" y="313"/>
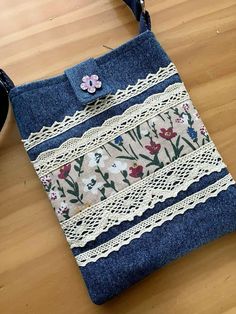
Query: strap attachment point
<point x="142" y="3"/>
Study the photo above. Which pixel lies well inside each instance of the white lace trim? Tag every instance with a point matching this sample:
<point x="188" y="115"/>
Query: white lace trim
<point x="137" y="198"/>
<point x="154" y="221"/>
<point x="99" y="106"/>
<point x="95" y="137"/>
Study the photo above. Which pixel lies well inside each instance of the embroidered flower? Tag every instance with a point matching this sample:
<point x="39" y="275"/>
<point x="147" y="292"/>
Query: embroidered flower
<point x="196" y="115"/>
<point x="46" y="179"/>
<point x="153" y="148"/>
<point x="63" y="210"/>
<point x="167" y="134"/>
<point x="117" y="166"/>
<point x="54" y="195"/>
<point x="64" y="171"/>
<point x="203" y="130"/>
<point x="136" y="171"/>
<point x="185" y="106"/>
<point x="118" y="140"/>
<point x="90" y="83"/>
<point x="91" y="185"/>
<point x="97" y="158"/>
<point x="183" y="119"/>
<point x="192" y="133"/>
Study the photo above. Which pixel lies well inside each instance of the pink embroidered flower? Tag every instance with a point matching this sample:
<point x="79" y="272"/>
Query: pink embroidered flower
<point x="167" y="134"/>
<point x="63" y="211"/>
<point x="183" y="119"/>
<point x="185" y="106"/>
<point x="136" y="171"/>
<point x="197" y="115"/>
<point x="153" y="148"/>
<point x="64" y="171"/>
<point x="203" y="130"/>
<point x="46" y="179"/>
<point x="53" y="195"/>
<point x="90" y="83"/>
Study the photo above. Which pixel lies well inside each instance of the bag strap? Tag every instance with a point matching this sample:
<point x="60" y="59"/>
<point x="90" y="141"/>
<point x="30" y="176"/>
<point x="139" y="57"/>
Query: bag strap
<point x="141" y="14"/>
<point x="6" y="85"/>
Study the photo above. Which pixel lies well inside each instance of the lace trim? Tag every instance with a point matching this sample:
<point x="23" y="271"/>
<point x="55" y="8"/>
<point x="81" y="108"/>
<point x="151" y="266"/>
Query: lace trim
<point x="95" y="137"/>
<point x="99" y="106"/>
<point x="134" y="200"/>
<point x="154" y="221"/>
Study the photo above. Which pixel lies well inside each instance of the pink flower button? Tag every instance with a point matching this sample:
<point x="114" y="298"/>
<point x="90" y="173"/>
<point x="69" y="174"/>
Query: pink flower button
<point x="90" y="83"/>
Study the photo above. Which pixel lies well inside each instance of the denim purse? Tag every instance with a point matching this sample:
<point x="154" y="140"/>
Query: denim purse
<point x="126" y="161"/>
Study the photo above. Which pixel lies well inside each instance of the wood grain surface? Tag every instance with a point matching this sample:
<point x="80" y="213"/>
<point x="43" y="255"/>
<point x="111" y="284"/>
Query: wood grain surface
<point x="39" y="38"/>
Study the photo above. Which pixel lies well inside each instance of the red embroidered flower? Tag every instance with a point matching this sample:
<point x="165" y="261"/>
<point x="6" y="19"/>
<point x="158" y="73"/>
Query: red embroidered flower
<point x="136" y="171"/>
<point x="153" y="148"/>
<point x="168" y="134"/>
<point x="64" y="171"/>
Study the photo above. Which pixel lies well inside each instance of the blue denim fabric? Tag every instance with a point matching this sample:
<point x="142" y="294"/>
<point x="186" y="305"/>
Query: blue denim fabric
<point x="46" y="101"/>
<point x="107" y="277"/>
<point x="75" y="76"/>
<point x="78" y="130"/>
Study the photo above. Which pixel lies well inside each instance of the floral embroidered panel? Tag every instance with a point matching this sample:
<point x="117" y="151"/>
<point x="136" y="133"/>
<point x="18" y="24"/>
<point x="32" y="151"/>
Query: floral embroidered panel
<point x="121" y="162"/>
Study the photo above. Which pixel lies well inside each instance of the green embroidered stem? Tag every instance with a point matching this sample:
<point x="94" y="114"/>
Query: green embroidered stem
<point x="61" y="189"/>
<point x="105" y="177"/>
<point x="75" y="192"/>
<point x="125" y="175"/>
<point x="78" y="168"/>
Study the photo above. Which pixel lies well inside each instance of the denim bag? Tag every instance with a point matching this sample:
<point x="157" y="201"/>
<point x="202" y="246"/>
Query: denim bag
<point x="126" y="161"/>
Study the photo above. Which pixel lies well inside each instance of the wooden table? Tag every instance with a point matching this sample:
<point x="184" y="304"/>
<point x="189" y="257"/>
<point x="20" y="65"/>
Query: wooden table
<point x="40" y="38"/>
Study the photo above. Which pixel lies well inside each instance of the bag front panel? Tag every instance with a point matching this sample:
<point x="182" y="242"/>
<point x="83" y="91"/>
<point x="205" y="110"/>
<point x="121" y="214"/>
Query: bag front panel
<point x="131" y="171"/>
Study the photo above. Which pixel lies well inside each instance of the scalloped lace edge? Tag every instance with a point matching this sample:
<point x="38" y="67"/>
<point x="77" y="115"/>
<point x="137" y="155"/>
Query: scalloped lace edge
<point x="134" y="200"/>
<point x="99" y="106"/>
<point x="95" y="137"/>
<point x="154" y="221"/>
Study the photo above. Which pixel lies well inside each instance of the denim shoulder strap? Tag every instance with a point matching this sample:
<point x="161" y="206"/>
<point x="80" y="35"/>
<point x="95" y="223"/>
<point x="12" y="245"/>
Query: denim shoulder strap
<point x="6" y="85"/>
<point x="141" y="14"/>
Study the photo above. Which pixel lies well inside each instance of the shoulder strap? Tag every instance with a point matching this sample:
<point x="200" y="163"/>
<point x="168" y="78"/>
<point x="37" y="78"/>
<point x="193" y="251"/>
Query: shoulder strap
<point x="6" y="85"/>
<point x="141" y="14"/>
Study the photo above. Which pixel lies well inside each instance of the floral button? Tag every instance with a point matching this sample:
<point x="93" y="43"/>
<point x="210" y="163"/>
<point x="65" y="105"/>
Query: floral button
<point x="90" y="83"/>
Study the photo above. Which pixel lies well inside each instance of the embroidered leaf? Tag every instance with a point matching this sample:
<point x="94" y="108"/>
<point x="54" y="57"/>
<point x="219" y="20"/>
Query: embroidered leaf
<point x="112" y="185"/>
<point x="126" y="157"/>
<point x="190" y="144"/>
<point x="133" y="152"/>
<point x="106" y="176"/>
<point x="115" y="146"/>
<point x="177" y="141"/>
<point x="167" y="154"/>
<point x="145" y="157"/>
<point x="139" y="132"/>
<point x="130" y="134"/>
<point x="69" y="183"/>
<point x="72" y="192"/>
<point x="76" y="168"/>
<point x="73" y="200"/>
<point x="124" y="173"/>
<point x="106" y="185"/>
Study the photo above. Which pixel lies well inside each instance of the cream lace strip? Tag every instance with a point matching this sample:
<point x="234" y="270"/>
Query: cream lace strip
<point x="99" y="106"/>
<point x="95" y="137"/>
<point x="134" y="200"/>
<point x="154" y="221"/>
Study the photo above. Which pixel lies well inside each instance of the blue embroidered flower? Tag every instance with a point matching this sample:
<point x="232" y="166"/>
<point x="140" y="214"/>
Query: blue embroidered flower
<point x="192" y="133"/>
<point x="119" y="140"/>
